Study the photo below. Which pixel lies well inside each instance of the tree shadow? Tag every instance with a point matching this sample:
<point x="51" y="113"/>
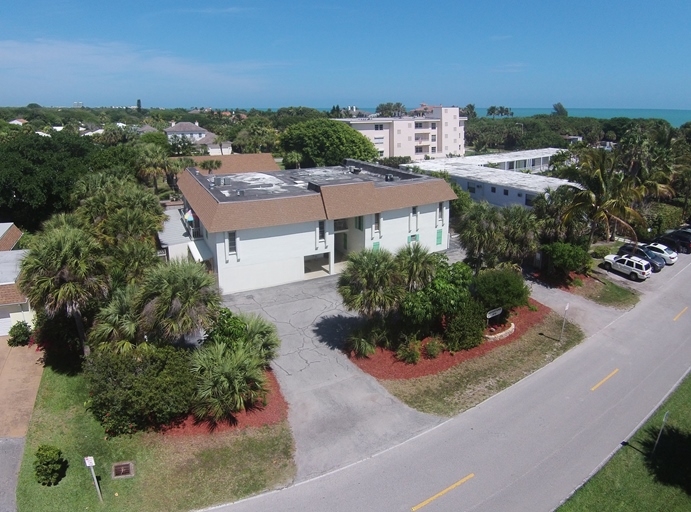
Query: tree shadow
<point x="671" y="462"/>
<point x="333" y="331"/>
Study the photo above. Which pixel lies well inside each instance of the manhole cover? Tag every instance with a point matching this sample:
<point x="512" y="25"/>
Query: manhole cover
<point x="123" y="469"/>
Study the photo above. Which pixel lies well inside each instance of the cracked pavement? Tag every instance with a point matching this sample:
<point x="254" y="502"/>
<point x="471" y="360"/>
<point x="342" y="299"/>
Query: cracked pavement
<point x="338" y="414"/>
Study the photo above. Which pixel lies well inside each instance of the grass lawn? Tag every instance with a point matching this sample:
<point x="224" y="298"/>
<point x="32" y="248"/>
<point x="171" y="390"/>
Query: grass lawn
<point x="475" y="380"/>
<point x="171" y="472"/>
<point x="605" y="292"/>
<point x="634" y="479"/>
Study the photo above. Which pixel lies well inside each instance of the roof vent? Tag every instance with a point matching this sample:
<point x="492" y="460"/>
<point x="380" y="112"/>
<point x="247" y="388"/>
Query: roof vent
<point x="357" y="170"/>
<point x="388" y="177"/>
<point x="241" y="192"/>
<point x="211" y="185"/>
<point x="196" y="171"/>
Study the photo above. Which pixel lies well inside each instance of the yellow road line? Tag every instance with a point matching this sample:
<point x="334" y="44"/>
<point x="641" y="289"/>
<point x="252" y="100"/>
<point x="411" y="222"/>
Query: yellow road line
<point x="439" y="494"/>
<point x="604" y="380"/>
<point x="680" y="313"/>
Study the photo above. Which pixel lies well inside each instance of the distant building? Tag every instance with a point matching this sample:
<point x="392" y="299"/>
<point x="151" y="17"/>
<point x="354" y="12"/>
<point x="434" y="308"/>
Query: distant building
<point x="260" y="229"/>
<point x="19" y="122"/>
<point x="198" y="136"/>
<point x="502" y="186"/>
<point x="434" y="134"/>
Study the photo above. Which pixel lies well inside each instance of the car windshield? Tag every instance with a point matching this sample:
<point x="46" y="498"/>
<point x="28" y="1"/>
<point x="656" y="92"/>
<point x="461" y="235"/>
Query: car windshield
<point x="669" y="251"/>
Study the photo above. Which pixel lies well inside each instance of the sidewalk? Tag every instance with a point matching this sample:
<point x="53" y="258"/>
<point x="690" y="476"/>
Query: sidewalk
<point x="20" y="377"/>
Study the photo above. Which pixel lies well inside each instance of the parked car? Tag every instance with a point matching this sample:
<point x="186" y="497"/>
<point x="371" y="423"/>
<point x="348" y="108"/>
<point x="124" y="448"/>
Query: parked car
<point x="633" y="266"/>
<point x="663" y="251"/>
<point x="655" y="260"/>
<point x="672" y="243"/>
<point x="682" y="237"/>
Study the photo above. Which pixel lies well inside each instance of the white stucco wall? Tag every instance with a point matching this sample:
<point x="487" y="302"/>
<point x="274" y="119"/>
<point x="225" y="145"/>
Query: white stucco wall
<point x="483" y="192"/>
<point x="276" y="255"/>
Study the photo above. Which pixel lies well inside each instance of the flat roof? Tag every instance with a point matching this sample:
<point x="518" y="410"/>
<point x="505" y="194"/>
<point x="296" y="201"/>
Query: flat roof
<point x="389" y="119"/>
<point x="496" y="158"/>
<point x="9" y="265"/>
<point x="173" y="232"/>
<point x="536" y="183"/>
<point x="250" y="186"/>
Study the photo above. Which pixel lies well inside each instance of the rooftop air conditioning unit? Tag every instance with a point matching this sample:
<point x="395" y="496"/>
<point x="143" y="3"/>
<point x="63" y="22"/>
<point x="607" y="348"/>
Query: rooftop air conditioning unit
<point x="357" y="170"/>
<point x="226" y="181"/>
<point x="218" y="181"/>
<point x="388" y="177"/>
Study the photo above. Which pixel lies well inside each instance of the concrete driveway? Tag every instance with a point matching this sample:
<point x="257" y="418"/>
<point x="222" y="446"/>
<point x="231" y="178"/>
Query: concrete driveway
<point x="339" y="415"/>
<point x="20" y="377"/>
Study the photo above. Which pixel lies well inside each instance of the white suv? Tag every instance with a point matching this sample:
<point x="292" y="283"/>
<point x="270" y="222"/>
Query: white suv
<point x="633" y="266"/>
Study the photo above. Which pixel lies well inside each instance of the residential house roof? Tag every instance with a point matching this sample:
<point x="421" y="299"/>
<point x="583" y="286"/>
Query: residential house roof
<point x="9" y="266"/>
<point x="146" y="128"/>
<point x="19" y="121"/>
<point x="241" y="163"/>
<point x="9" y="236"/>
<point x="10" y="294"/>
<point x="254" y="200"/>
<point x="185" y="127"/>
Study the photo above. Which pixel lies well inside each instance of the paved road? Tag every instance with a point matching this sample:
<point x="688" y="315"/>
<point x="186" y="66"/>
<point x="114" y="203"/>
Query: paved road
<point x="530" y="446"/>
<point x="338" y="414"/>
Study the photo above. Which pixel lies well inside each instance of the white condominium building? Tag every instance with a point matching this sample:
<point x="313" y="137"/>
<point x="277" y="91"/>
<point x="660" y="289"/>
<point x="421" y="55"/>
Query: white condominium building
<point x="434" y="135"/>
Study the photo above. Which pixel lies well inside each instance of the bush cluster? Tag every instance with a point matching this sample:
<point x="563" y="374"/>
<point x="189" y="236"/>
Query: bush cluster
<point x="565" y="258"/>
<point x="139" y="390"/>
<point x="600" y="252"/>
<point x="20" y="335"/>
<point x="501" y="288"/>
<point x="464" y="331"/>
<point x="49" y="466"/>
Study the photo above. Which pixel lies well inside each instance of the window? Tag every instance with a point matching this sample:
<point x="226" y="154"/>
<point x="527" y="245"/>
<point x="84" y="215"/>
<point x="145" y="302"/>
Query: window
<point x="381" y="153"/>
<point x="413" y="239"/>
<point x="511" y="166"/>
<point x="434" y="138"/>
<point x="440" y="212"/>
<point x="418" y="149"/>
<point x="322" y="231"/>
<point x="434" y="126"/>
<point x="494" y="190"/>
<point x="529" y="200"/>
<point x="398" y="132"/>
<point x="418" y="125"/>
<point x="377" y="222"/>
<point x="359" y="223"/>
<point x="378" y="127"/>
<point x="379" y="140"/>
<point x="414" y="210"/>
<point x="232" y="243"/>
<point x="506" y="192"/>
<point x="471" y="188"/>
<point x="446" y="124"/>
<point x="434" y="149"/>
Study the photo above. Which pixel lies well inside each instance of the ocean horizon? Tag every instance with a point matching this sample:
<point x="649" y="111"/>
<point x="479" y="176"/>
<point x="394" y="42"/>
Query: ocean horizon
<point x="675" y="117"/>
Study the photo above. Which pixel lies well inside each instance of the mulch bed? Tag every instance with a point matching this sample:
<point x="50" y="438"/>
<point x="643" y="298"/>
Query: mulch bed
<point x="276" y="410"/>
<point x="384" y="365"/>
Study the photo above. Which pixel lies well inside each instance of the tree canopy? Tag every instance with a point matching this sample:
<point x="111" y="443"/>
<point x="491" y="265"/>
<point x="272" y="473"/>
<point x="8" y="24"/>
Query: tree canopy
<point x="326" y="142"/>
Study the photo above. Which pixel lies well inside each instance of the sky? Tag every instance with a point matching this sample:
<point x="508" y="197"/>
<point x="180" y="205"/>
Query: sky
<point x="272" y="53"/>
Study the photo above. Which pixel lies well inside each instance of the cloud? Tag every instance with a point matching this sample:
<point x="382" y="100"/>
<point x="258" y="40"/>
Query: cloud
<point x="512" y="67"/>
<point x="74" y="70"/>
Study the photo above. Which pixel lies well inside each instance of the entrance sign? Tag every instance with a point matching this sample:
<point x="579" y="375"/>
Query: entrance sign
<point x="494" y="312"/>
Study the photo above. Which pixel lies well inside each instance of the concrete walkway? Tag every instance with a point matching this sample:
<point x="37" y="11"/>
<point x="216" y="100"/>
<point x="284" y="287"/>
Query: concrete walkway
<point x="20" y="377"/>
<point x="338" y="414"/>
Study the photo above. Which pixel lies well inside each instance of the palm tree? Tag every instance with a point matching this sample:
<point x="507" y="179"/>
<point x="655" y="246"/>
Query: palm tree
<point x="417" y="266"/>
<point x="130" y="260"/>
<point x="550" y="208"/>
<point x="153" y="163"/>
<point x="178" y="299"/>
<point x="262" y="335"/>
<point x="211" y="165"/>
<point x="605" y="194"/>
<point x="229" y="379"/>
<point x="520" y="233"/>
<point x="480" y="231"/>
<point x="371" y="283"/>
<point x="116" y="325"/>
<point x="220" y="139"/>
<point x="63" y="273"/>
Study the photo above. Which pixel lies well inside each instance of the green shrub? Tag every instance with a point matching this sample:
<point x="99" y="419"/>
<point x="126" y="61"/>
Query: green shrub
<point x="464" y="331"/>
<point x="228" y="380"/>
<point x="410" y="349"/>
<point x="359" y="344"/>
<point x="577" y="282"/>
<point x="20" y="335"/>
<point x="49" y="466"/>
<point x="257" y="333"/>
<point x="501" y="288"/>
<point x="659" y="217"/>
<point x="139" y="390"/>
<point x="565" y="258"/>
<point x="600" y="252"/>
<point x="433" y="348"/>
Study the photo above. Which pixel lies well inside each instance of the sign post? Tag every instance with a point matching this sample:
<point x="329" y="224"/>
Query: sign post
<point x="563" y="324"/>
<point x="664" y="420"/>
<point x="90" y="463"/>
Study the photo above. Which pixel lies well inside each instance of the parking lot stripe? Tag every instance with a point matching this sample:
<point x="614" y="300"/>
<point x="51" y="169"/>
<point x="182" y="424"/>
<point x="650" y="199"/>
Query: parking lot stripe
<point x="680" y="313"/>
<point x="604" y="380"/>
<point x="439" y="494"/>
